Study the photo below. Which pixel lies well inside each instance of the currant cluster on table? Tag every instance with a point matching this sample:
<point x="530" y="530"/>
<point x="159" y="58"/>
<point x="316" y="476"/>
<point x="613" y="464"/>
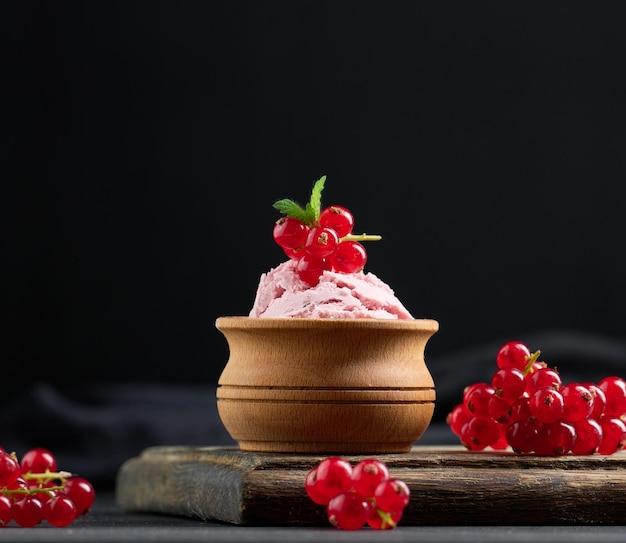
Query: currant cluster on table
<point x="33" y="491"/>
<point x="357" y="496"/>
<point x="528" y="408"/>
<point x="322" y="246"/>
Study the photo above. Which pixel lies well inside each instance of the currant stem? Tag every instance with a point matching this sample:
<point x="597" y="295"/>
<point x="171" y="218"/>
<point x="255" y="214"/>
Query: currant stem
<point x="47" y="476"/>
<point x="48" y="490"/>
<point x="387" y="519"/>
<point x="361" y="237"/>
<point x="530" y="361"/>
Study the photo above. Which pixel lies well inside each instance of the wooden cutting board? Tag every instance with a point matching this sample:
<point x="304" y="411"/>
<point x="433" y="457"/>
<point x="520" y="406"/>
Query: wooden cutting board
<point x="449" y="486"/>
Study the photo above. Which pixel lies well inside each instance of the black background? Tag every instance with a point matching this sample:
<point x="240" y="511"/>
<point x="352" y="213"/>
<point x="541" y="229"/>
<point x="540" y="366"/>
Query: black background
<point x="145" y="143"/>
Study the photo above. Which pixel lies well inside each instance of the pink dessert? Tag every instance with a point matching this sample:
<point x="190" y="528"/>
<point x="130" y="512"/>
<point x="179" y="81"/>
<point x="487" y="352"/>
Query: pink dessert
<point x="281" y="293"/>
<point x="324" y="277"/>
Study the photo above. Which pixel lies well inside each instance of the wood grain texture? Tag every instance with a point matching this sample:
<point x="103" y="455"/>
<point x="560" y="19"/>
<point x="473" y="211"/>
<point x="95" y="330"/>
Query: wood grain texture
<point x="449" y="486"/>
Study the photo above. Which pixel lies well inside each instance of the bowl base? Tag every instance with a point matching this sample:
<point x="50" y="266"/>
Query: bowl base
<point x="324" y="448"/>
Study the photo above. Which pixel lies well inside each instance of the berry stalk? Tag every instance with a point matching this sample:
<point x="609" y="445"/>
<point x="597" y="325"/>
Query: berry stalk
<point x="361" y="237"/>
<point x="47" y="476"/>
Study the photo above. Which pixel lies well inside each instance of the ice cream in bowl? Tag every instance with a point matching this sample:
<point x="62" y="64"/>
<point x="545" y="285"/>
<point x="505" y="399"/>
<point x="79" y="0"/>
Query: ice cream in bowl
<point x="328" y="361"/>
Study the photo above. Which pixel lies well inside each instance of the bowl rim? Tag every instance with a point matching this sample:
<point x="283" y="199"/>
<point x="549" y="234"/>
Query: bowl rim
<point x="267" y="323"/>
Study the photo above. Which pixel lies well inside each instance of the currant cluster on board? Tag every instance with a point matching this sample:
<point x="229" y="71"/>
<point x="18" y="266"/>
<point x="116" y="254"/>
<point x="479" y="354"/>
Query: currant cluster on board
<point x="33" y="491"/>
<point x="359" y="495"/>
<point x="528" y="408"/>
<point x="319" y="238"/>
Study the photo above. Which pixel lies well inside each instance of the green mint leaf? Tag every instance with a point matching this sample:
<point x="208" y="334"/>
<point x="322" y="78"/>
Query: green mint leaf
<point x="310" y="214"/>
<point x="291" y="209"/>
<point x="316" y="198"/>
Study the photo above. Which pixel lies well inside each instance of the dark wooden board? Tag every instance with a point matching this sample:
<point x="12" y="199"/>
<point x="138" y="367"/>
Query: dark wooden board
<point x="449" y="486"/>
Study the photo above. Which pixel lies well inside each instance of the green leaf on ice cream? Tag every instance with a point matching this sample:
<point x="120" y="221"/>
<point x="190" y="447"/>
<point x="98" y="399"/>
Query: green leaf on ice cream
<point x="310" y="214"/>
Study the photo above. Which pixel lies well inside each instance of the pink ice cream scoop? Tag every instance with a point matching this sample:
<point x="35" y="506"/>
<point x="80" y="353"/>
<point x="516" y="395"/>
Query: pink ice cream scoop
<point x="281" y="293"/>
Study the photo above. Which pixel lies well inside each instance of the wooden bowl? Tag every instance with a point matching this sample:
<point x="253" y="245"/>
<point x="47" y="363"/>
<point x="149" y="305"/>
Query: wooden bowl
<point x="328" y="386"/>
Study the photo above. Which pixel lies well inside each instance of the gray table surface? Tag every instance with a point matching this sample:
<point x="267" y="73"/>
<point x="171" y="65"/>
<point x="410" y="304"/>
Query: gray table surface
<point x="107" y="522"/>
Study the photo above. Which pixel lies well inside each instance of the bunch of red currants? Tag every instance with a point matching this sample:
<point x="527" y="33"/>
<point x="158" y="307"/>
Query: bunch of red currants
<point x="357" y="496"/>
<point x="319" y="239"/>
<point x="32" y="490"/>
<point x="322" y="246"/>
<point x="528" y="408"/>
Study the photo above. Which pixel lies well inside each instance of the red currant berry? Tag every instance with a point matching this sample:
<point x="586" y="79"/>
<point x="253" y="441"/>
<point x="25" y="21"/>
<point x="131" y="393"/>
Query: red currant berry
<point x="509" y="383"/>
<point x="312" y="490"/>
<point x="599" y="400"/>
<point x="554" y="438"/>
<point x="520" y="409"/>
<point x="348" y="511"/>
<point x="458" y="417"/>
<point x="331" y="477"/>
<point x="577" y="402"/>
<point x="19" y="484"/>
<point x="477" y="399"/>
<point x="310" y="269"/>
<point x="321" y="242"/>
<point x="614" y="389"/>
<point x="479" y="433"/>
<point x="543" y="377"/>
<point x="9" y="469"/>
<point x="499" y="409"/>
<point x="338" y="218"/>
<point x="392" y="495"/>
<point x="290" y="233"/>
<point x="5" y="510"/>
<point x="467" y="439"/>
<point x="470" y="388"/>
<point x="588" y="437"/>
<point x="81" y="492"/>
<point x="350" y="257"/>
<point x="521" y="435"/>
<point x="513" y="353"/>
<point x="59" y="511"/>
<point x="613" y="435"/>
<point x="294" y="254"/>
<point x="546" y="404"/>
<point x="367" y="475"/>
<point x="38" y="460"/>
<point x="27" y="511"/>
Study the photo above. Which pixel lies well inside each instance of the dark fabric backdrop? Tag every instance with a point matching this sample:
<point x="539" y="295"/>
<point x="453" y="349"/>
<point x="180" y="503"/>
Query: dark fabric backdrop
<point x="145" y="142"/>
